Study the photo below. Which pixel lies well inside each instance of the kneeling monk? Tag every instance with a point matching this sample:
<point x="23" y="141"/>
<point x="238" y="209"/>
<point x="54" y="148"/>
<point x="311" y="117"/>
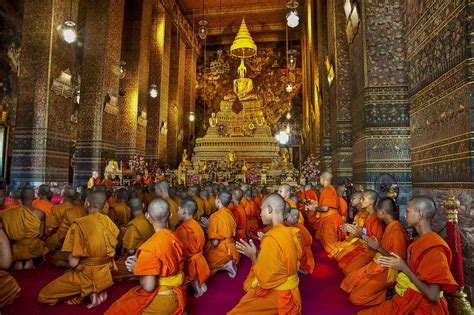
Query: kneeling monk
<point x="273" y="277"/>
<point x="91" y="242"/>
<point x="9" y="289"/>
<point x="159" y="263"/>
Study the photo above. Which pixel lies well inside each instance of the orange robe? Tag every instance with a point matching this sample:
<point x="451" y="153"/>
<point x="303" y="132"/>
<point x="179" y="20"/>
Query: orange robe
<point x="293" y="206"/>
<point x="361" y="254"/>
<point x="212" y="201"/>
<point x="192" y="236"/>
<point x="307" y="258"/>
<point x="121" y="214"/>
<point x="174" y="219"/>
<point x="240" y="221"/>
<point x="93" y="239"/>
<point x="258" y="200"/>
<point x="251" y="213"/>
<point x="343" y="208"/>
<point x="368" y="285"/>
<point x="147" y="180"/>
<point x="200" y="210"/>
<point x="62" y="223"/>
<point x="149" y="197"/>
<point x="221" y="227"/>
<point x="208" y="207"/>
<point x="429" y="257"/>
<point x="139" y="230"/>
<point x="311" y="198"/>
<point x="43" y="205"/>
<point x="108" y="183"/>
<point x="162" y="256"/>
<point x="9" y="289"/>
<point x="328" y="231"/>
<point x="22" y="228"/>
<point x="278" y="260"/>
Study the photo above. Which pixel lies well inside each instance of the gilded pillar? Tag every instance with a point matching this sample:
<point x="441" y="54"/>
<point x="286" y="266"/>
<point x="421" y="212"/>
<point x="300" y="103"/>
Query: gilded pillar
<point x="189" y="103"/>
<point x="97" y="121"/>
<point x="42" y="138"/>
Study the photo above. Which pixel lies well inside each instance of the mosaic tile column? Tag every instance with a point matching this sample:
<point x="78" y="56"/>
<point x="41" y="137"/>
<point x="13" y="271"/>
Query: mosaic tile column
<point x="157" y="126"/>
<point x="189" y="103"/>
<point x="440" y="67"/>
<point x="42" y="138"/>
<point x="339" y="93"/>
<point x="97" y="121"/>
<point x="176" y="96"/>
<point x="135" y="52"/>
<point x="380" y="100"/>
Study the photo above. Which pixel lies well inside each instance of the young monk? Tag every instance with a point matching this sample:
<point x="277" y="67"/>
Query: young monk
<point x="273" y="281"/>
<point x="307" y="258"/>
<point x="9" y="289"/>
<point x="120" y="212"/>
<point x="193" y="192"/>
<point x="356" y="207"/>
<point x="368" y="285"/>
<point x="423" y="278"/>
<point x="239" y="215"/>
<point x="43" y="203"/>
<point x="162" y="191"/>
<point x="343" y="207"/>
<point x="220" y="252"/>
<point x="193" y="239"/>
<point x="24" y="227"/>
<point x="91" y="242"/>
<point x="137" y="232"/>
<point x="328" y="217"/>
<point x="159" y="263"/>
<point x="56" y="217"/>
<point x="360" y="254"/>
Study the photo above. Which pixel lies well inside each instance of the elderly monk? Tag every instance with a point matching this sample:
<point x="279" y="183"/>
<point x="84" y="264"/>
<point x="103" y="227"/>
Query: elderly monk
<point x="24" y="227"/>
<point x="307" y="258"/>
<point x="239" y="215"/>
<point x="159" y="263"/>
<point x="193" y="192"/>
<point x="358" y="254"/>
<point x="328" y="217"/>
<point x="9" y="289"/>
<point x="91" y="243"/>
<point x="220" y="252"/>
<point x="368" y="285"/>
<point x="162" y="191"/>
<point x="120" y="212"/>
<point x="137" y="232"/>
<point x="53" y="222"/>
<point x="343" y="207"/>
<point x="423" y="278"/>
<point x="192" y="236"/>
<point x="43" y="203"/>
<point x="272" y="283"/>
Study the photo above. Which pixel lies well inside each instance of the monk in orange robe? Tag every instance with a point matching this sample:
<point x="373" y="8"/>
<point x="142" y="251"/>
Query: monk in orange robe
<point x="328" y="212"/>
<point x="251" y="213"/>
<point x="120" y="212"/>
<point x="257" y="197"/>
<point x="56" y="217"/>
<point x="14" y="199"/>
<point x="423" y="278"/>
<point x="9" y="289"/>
<point x="208" y="206"/>
<point x="24" y="227"/>
<point x="359" y="254"/>
<point x="356" y="207"/>
<point x="211" y="199"/>
<point x="368" y="285"/>
<point x="147" y="178"/>
<point x="108" y="182"/>
<point x="193" y="192"/>
<point x="159" y="262"/>
<point x="272" y="284"/>
<point x="239" y="215"/>
<point x="43" y="203"/>
<point x="307" y="258"/>
<point x="310" y="198"/>
<point x="94" y="180"/>
<point x="91" y="242"/>
<point x="162" y="191"/>
<point x="192" y="236"/>
<point x="285" y="192"/>
<point x="220" y="252"/>
<point x="150" y="195"/>
<point x="137" y="232"/>
<point x="343" y="206"/>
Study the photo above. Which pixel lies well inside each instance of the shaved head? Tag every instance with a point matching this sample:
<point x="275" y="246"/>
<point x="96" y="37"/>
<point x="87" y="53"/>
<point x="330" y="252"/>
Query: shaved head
<point x="68" y="193"/>
<point x="425" y="205"/>
<point x="43" y="190"/>
<point x="97" y="199"/>
<point x="135" y="204"/>
<point x="237" y="194"/>
<point x="389" y="206"/>
<point x="159" y="210"/>
<point x="27" y="195"/>
<point x="189" y="205"/>
<point x="372" y="195"/>
<point x="327" y="175"/>
<point x="163" y="185"/>
<point x="122" y="195"/>
<point x="225" y="198"/>
<point x="276" y="201"/>
<point x="357" y="194"/>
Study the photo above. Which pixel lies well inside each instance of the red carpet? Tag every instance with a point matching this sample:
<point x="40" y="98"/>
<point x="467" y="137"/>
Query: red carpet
<point x="320" y="292"/>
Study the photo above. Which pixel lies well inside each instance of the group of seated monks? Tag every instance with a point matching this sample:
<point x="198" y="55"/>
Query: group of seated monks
<point x="167" y="238"/>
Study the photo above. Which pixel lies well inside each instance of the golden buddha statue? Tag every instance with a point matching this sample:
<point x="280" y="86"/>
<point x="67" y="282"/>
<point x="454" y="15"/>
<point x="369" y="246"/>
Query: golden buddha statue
<point x="243" y="86"/>
<point x="184" y="158"/>
<point x="213" y="120"/>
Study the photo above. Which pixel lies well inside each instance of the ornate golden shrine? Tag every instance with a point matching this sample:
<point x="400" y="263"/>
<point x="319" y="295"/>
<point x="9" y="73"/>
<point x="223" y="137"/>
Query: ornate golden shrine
<point x="244" y="135"/>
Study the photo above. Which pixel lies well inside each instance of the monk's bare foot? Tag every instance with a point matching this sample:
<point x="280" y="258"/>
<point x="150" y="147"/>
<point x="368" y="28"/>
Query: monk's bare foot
<point x="18" y="265"/>
<point x="94" y="300"/>
<point x="103" y="296"/>
<point x="29" y="265"/>
<point x="204" y="288"/>
<point x="196" y="288"/>
<point x="74" y="301"/>
<point x="231" y="268"/>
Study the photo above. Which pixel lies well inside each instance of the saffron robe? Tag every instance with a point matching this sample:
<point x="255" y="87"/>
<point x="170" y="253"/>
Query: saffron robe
<point x="269" y="290"/>
<point x="200" y="210"/>
<point x="311" y="198"/>
<point x="429" y="257"/>
<point x="91" y="238"/>
<point x="251" y="214"/>
<point x="221" y="227"/>
<point x="368" y="285"/>
<point x="240" y="220"/>
<point x="343" y="208"/>
<point x="193" y="239"/>
<point x="9" y="289"/>
<point x="174" y="219"/>
<point x="121" y="214"/>
<point x="345" y="247"/>
<point x="360" y="254"/>
<point x="57" y="213"/>
<point x="43" y="205"/>
<point x="307" y="258"/>
<point x="327" y="230"/>
<point x="162" y="256"/>
<point x="139" y="230"/>
<point x="55" y="241"/>
<point x="22" y="228"/>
